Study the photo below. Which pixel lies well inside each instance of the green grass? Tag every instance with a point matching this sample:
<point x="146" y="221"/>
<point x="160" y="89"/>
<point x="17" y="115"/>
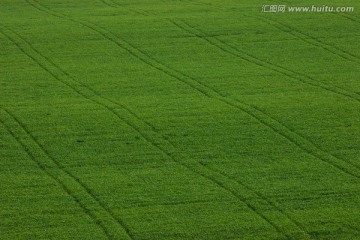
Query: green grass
<point x="178" y="120"/>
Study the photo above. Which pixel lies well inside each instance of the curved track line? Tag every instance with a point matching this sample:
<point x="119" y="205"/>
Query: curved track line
<point x="44" y="168"/>
<point x="226" y="47"/>
<point x="329" y="156"/>
<point x="108" y="3"/>
<point x="256" y="113"/>
<point x="103" y="32"/>
<point x="152" y="138"/>
<point x="198" y="169"/>
<point x="267" y="200"/>
<point x="113" y="232"/>
<point x="324" y="156"/>
<point x="310" y="39"/>
<point x="298" y="34"/>
<point x="352" y="18"/>
<point x="260" y="116"/>
<point x="71" y="185"/>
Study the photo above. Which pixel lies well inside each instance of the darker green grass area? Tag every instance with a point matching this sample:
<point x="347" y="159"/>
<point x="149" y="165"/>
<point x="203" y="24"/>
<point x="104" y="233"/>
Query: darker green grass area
<point x="178" y="120"/>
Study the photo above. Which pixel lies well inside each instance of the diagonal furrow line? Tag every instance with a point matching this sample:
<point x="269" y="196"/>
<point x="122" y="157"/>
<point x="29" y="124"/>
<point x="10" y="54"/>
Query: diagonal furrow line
<point x="167" y="149"/>
<point x="226" y="47"/>
<point x="301" y="35"/>
<point x="108" y="3"/>
<point x="308" y="39"/>
<point x="75" y="85"/>
<point x="247" y="57"/>
<point x="143" y="13"/>
<point x="106" y="218"/>
<point x="44" y="166"/>
<point x="55" y="171"/>
<point x="292" y="135"/>
<point x="263" y="118"/>
<point x="352" y="18"/>
<point x="304" y="36"/>
<point x="139" y="131"/>
<point x="253" y="194"/>
<point x="295" y="138"/>
<point x="164" y="146"/>
<point x="311" y="40"/>
<point x="213" y="94"/>
<point x="267" y="200"/>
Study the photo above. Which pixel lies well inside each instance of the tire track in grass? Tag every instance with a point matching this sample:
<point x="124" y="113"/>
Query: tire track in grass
<point x="212" y="93"/>
<point x="108" y="3"/>
<point x="286" y="228"/>
<point x="68" y="182"/>
<point x="202" y="35"/>
<point x="299" y="141"/>
<point x="268" y="201"/>
<point x="256" y="113"/>
<point x="156" y="143"/>
<point x="253" y="194"/>
<point x="265" y="119"/>
<point x="274" y="203"/>
<point x="349" y="17"/>
<point x="298" y="34"/>
<point x="226" y="47"/>
<point x="57" y="71"/>
<point x="107" y="220"/>
<point x="310" y="39"/>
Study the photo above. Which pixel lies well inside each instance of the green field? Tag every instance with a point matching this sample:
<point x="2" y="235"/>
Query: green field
<point x="178" y="119"/>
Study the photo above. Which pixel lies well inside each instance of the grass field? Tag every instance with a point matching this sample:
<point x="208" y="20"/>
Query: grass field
<point x="178" y="119"/>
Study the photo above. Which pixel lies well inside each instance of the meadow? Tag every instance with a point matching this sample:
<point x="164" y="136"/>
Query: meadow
<point x="178" y="119"/>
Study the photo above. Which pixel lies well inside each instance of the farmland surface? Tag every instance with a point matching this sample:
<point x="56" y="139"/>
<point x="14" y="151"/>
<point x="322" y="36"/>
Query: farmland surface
<point x="178" y="119"/>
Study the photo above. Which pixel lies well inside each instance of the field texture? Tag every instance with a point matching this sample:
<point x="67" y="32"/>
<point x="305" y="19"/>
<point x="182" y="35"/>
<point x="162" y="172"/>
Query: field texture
<point x="178" y="119"/>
